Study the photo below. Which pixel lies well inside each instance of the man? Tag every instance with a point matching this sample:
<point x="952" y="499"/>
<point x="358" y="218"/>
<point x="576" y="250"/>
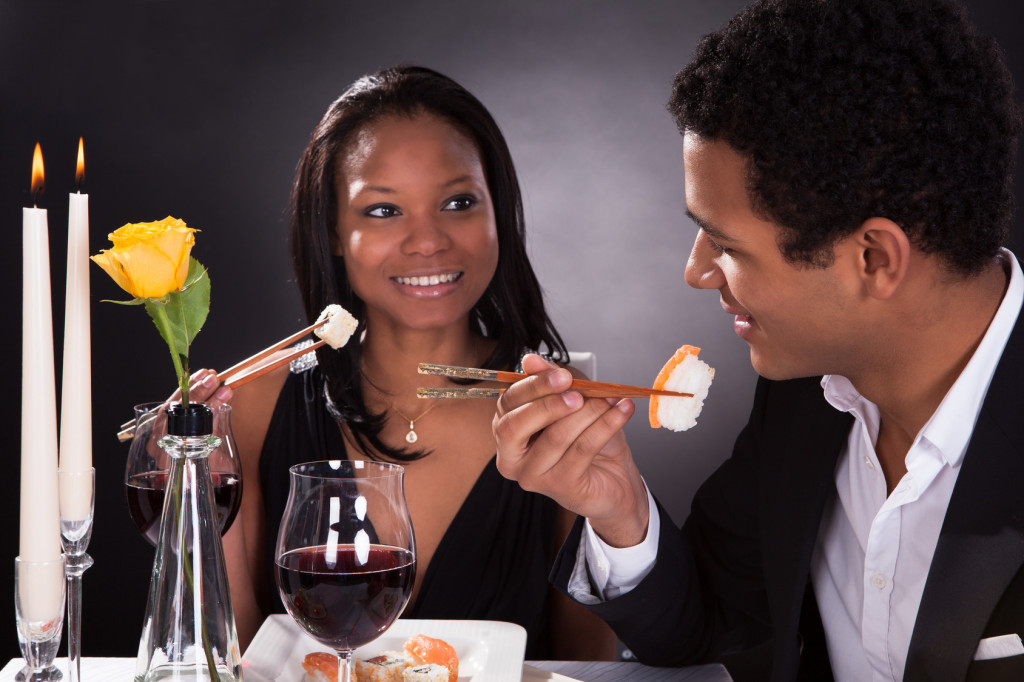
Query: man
<point x="849" y="165"/>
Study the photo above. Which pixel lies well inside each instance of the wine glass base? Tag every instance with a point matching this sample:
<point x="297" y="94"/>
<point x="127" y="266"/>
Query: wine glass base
<point x="51" y="674"/>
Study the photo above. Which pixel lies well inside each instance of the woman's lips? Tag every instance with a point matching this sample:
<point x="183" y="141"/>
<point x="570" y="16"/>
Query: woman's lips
<point x="428" y="285"/>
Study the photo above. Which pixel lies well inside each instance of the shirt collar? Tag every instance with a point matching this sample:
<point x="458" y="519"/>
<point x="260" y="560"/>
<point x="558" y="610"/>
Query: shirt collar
<point x="950" y="427"/>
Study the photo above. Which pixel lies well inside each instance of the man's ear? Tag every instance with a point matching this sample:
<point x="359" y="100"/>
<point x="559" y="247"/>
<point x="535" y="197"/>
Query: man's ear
<point x="883" y="251"/>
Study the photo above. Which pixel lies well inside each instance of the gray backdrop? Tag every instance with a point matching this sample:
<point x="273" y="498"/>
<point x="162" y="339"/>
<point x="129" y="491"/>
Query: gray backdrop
<point x="202" y="110"/>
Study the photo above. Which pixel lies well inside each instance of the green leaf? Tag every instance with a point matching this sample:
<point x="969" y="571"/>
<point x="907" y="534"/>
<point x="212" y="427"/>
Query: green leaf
<point x="180" y="315"/>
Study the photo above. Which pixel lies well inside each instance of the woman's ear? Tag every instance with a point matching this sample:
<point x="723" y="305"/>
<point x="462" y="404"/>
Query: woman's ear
<point x="883" y="253"/>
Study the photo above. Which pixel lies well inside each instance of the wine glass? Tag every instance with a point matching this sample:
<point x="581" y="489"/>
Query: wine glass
<point x="345" y="553"/>
<point x="145" y="474"/>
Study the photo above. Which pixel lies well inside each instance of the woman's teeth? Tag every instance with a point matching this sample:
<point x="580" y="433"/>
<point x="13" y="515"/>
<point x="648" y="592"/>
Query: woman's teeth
<point x="428" y="280"/>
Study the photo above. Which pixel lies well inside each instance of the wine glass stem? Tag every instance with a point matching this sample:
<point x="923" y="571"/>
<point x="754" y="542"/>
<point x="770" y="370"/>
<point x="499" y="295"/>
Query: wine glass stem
<point x="345" y="671"/>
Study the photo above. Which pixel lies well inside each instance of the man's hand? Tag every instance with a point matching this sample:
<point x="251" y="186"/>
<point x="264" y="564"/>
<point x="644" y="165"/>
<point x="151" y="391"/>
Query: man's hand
<point x="553" y="441"/>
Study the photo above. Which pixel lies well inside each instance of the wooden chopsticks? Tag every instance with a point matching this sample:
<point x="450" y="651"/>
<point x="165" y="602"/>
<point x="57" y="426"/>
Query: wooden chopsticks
<point x="237" y="375"/>
<point x="589" y="389"/>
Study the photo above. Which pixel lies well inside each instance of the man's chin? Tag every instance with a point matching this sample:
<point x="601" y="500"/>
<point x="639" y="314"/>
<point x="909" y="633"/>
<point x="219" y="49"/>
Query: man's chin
<point x="775" y="370"/>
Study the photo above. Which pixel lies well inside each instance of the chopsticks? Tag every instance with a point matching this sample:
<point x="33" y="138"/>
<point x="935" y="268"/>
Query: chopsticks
<point x="589" y="389"/>
<point x="236" y="375"/>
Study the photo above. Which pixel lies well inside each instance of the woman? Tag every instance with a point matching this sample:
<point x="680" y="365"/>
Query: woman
<point x="406" y="211"/>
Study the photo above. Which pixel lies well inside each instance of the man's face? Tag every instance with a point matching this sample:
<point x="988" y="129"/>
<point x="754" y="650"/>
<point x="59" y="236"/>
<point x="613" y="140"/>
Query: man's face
<point x="798" y="320"/>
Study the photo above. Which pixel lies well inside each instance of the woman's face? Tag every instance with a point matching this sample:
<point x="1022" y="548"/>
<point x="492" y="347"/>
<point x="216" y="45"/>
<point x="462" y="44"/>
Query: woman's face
<point x="415" y="221"/>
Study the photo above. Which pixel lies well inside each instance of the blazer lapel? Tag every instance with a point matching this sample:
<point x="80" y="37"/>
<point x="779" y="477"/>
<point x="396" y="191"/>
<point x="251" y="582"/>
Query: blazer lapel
<point x="799" y="478"/>
<point x="981" y="545"/>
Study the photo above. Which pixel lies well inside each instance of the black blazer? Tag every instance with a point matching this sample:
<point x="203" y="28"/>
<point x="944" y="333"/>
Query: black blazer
<point x="733" y="584"/>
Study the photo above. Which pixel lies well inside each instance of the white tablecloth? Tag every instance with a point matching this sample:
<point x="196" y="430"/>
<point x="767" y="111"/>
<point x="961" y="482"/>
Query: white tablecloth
<point x="117" y="669"/>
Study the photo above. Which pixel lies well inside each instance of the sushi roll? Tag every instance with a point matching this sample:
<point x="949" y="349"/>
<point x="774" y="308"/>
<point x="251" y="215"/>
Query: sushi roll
<point x="683" y="373"/>
<point x="428" y="672"/>
<point x="340" y="326"/>
<point x="428" y="650"/>
<point x="388" y="666"/>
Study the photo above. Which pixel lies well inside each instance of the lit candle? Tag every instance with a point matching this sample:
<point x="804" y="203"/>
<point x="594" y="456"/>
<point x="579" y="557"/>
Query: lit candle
<point x="76" y="398"/>
<point x="39" y="538"/>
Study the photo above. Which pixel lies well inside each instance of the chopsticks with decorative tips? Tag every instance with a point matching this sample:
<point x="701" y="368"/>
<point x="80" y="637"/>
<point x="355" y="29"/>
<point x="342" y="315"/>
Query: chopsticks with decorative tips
<point x="589" y="389"/>
<point x="249" y="369"/>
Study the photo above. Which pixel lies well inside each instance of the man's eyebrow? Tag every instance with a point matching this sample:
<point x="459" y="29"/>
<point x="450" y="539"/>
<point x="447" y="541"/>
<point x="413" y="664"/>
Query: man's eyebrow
<point x="709" y="229"/>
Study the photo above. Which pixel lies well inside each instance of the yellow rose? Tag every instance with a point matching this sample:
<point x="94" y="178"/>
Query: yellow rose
<point x="149" y="260"/>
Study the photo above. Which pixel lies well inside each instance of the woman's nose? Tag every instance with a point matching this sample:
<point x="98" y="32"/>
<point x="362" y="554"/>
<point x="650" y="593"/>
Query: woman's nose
<point x="702" y="272"/>
<point x="425" y="236"/>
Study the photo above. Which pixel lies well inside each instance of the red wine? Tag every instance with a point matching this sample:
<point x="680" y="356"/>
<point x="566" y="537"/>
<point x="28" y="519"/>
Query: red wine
<point x="145" y="493"/>
<point x="342" y="603"/>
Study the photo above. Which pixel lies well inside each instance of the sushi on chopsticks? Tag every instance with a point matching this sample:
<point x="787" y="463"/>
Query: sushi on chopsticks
<point x="686" y="374"/>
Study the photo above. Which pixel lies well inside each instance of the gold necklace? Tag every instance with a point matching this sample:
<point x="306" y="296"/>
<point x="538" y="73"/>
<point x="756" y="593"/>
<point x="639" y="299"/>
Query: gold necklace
<point x="410" y="437"/>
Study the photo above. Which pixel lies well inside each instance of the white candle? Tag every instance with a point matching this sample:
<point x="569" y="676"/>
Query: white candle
<point x="76" y="398"/>
<point x="40" y="591"/>
<point x="40" y="518"/>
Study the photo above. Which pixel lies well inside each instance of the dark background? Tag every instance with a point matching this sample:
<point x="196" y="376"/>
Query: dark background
<point x="201" y="110"/>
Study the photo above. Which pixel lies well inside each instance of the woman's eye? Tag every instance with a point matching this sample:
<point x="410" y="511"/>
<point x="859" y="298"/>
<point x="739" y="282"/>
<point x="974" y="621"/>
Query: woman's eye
<point x="460" y="203"/>
<point x="382" y="211"/>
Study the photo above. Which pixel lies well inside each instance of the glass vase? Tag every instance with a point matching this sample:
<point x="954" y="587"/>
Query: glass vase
<point x="189" y="629"/>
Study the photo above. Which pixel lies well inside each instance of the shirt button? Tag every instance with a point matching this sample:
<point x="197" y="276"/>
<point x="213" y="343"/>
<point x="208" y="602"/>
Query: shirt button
<point x="879" y="581"/>
<point x="867" y="460"/>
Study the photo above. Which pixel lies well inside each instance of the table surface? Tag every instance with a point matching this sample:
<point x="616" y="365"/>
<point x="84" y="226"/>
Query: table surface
<point x="113" y="669"/>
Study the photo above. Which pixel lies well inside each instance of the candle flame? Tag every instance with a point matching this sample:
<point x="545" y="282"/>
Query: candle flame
<point x="80" y="170"/>
<point x="37" y="173"/>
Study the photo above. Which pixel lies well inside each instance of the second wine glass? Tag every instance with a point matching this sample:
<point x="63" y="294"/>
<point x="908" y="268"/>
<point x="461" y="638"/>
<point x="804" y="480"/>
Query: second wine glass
<point x="346" y="556"/>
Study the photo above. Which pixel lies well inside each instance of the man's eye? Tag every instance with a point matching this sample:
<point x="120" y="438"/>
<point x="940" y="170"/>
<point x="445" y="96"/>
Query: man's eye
<point x="460" y="203"/>
<point x="382" y="211"/>
<point x="717" y="247"/>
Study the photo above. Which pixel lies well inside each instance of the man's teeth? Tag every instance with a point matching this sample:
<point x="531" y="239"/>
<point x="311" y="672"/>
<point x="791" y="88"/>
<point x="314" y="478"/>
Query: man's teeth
<point x="428" y="280"/>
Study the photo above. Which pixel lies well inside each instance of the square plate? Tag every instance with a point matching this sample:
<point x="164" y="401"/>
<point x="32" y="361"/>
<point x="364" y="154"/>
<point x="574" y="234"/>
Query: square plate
<point x="489" y="650"/>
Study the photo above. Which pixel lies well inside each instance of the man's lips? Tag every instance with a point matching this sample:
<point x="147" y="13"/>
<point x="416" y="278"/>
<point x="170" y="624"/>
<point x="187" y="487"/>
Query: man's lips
<point x="733" y="310"/>
<point x="742" y="322"/>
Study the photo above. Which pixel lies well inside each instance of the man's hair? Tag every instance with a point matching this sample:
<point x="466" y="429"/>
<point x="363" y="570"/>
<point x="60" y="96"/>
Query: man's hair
<point x="852" y="109"/>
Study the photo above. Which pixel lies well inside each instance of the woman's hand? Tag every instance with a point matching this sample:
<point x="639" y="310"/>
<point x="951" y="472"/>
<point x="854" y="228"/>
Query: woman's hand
<point x="553" y="441"/>
<point x="204" y="387"/>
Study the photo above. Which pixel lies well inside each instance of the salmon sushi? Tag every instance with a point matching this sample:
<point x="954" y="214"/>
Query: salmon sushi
<point x="427" y="650"/>
<point x="683" y="373"/>
<point x="321" y="666"/>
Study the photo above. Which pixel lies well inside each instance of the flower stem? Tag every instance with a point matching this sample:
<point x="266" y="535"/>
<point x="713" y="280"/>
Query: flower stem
<point x="163" y="323"/>
<point x="178" y="492"/>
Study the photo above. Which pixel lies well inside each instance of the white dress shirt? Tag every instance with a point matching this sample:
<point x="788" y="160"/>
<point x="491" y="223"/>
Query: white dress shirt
<point x="873" y="552"/>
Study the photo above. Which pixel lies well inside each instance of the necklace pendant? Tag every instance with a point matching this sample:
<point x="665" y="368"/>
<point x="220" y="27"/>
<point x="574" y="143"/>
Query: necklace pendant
<point x="411" y="437"/>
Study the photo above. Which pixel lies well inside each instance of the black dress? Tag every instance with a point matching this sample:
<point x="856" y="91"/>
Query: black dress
<point x="491" y="564"/>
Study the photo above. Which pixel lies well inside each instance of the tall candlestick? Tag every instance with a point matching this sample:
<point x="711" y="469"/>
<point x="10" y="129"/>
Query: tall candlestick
<point x="39" y="538"/>
<point x="76" y="397"/>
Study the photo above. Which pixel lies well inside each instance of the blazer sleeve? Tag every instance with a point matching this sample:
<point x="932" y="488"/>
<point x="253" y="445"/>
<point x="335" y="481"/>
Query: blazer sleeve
<point x="705" y="596"/>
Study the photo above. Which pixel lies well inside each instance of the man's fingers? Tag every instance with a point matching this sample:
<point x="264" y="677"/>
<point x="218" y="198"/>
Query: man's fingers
<point x="574" y="442"/>
<point x="533" y="388"/>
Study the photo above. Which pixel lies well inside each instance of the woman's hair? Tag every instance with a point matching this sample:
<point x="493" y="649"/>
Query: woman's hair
<point x="853" y="109"/>
<point x="511" y="310"/>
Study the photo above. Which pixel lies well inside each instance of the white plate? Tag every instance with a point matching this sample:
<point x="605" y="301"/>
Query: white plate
<point x="489" y="650"/>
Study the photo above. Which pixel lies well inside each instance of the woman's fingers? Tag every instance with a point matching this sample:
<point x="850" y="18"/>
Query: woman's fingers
<point x="204" y="387"/>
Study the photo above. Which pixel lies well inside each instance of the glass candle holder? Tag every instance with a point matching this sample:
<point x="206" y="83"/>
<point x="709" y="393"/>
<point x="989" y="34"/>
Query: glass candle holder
<point x="39" y="607"/>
